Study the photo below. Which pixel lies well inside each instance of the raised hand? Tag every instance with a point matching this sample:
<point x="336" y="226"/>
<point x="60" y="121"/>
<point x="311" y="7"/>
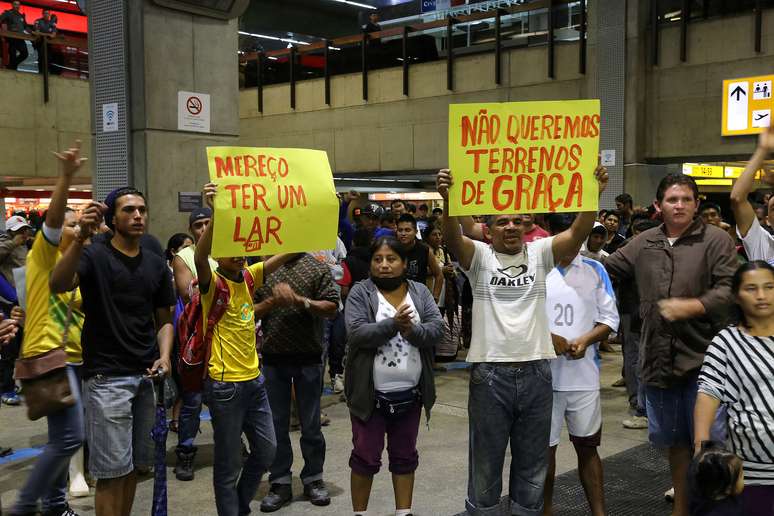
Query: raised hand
<point x="71" y="159"/>
<point x="91" y="219"/>
<point x="209" y="192"/>
<point x="766" y="139"/>
<point x="600" y="174"/>
<point x="443" y="181"/>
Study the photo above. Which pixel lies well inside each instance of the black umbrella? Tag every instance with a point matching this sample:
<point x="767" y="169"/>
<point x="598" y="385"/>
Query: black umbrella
<point x="159" y="435"/>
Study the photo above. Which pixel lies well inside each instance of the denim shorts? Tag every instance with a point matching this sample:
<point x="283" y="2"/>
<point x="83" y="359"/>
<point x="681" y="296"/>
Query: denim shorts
<point x="120" y="414"/>
<point x="670" y="414"/>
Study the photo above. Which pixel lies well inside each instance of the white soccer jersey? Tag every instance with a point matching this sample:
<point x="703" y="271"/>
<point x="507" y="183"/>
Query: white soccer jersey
<point x="577" y="298"/>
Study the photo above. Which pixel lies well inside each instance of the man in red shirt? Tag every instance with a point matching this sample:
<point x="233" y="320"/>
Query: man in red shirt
<point x="532" y="231"/>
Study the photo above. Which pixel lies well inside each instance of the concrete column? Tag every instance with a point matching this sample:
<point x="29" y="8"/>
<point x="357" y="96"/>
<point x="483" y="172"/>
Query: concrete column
<point x="168" y="51"/>
<point x="173" y="51"/>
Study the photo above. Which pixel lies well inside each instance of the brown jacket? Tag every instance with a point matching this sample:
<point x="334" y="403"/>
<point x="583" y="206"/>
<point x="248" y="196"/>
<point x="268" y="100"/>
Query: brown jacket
<point x="700" y="265"/>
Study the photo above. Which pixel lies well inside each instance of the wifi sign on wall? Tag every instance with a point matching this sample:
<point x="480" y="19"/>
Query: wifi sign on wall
<point x="110" y="117"/>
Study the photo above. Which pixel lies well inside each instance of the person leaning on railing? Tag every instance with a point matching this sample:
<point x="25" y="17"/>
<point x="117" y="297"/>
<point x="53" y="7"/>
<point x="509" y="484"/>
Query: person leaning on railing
<point x="13" y="20"/>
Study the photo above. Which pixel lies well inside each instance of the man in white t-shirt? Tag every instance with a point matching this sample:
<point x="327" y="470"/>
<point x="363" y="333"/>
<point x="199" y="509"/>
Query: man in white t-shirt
<point x="581" y="307"/>
<point x="758" y="242"/>
<point x="510" y="393"/>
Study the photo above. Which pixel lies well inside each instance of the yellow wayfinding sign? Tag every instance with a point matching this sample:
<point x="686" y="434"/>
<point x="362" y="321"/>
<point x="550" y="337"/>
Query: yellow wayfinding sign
<point x="523" y="157"/>
<point x="272" y="200"/>
<point x="747" y="105"/>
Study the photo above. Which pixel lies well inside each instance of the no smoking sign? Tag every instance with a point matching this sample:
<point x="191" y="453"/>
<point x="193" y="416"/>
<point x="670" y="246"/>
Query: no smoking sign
<point x="193" y="112"/>
<point x="193" y="105"/>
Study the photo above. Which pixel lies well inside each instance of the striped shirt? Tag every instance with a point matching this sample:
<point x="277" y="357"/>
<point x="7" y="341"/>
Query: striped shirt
<point x="738" y="370"/>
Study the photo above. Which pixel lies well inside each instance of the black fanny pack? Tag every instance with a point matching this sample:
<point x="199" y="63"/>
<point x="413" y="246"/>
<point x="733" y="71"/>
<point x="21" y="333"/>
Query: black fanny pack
<point x="393" y="404"/>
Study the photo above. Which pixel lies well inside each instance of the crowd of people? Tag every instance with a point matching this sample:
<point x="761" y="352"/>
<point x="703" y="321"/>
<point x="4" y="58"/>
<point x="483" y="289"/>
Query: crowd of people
<point x="533" y="298"/>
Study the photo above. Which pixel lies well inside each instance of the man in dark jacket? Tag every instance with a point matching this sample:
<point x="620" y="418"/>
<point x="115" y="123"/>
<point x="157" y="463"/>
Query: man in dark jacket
<point x="683" y="271"/>
<point x="14" y="21"/>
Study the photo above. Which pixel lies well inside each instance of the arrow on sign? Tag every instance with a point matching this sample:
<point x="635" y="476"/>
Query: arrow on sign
<point x="738" y="91"/>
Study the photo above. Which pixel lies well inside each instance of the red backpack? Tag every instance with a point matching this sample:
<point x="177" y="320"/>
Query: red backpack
<point x="195" y="346"/>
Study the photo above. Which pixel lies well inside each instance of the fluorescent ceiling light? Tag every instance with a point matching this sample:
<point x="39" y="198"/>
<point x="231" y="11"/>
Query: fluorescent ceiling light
<point x="355" y="4"/>
<point x="273" y="38"/>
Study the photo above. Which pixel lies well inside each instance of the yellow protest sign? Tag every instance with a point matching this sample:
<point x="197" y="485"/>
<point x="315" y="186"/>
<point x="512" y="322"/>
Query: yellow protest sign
<point x="523" y="157"/>
<point x="272" y="201"/>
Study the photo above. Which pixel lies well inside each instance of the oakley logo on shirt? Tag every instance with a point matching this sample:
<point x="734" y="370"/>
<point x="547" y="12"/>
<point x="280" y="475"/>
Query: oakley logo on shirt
<point x="511" y="271"/>
<point x="507" y="278"/>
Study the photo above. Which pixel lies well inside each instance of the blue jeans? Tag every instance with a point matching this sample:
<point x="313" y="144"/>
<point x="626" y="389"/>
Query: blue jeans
<point x="632" y="368"/>
<point x="307" y="381"/>
<point x="48" y="479"/>
<point x="509" y="403"/>
<point x="188" y="424"/>
<point x="238" y="407"/>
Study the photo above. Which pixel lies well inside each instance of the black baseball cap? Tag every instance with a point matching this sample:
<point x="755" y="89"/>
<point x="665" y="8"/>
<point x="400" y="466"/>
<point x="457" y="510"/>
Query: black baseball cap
<point x="199" y="214"/>
<point x="599" y="228"/>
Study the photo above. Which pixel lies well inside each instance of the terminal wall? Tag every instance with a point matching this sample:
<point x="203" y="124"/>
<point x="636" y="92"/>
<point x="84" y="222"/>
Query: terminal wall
<point x="30" y="129"/>
<point x="391" y="132"/>
<point x="683" y="101"/>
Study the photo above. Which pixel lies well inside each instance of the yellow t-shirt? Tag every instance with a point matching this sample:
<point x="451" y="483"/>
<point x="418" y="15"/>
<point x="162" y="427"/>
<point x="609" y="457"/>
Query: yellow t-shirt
<point x="233" y="357"/>
<point x="46" y="312"/>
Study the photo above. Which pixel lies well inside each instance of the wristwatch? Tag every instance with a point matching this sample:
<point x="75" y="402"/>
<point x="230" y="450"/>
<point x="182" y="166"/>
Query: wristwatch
<point x="307" y="304"/>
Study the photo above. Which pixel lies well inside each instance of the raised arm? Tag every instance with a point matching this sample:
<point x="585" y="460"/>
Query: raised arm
<point x="278" y="260"/>
<point x="567" y="244"/>
<point x="70" y="161"/>
<point x="743" y="210"/>
<point x="471" y="228"/>
<point x="460" y="246"/>
<point x="64" y="277"/>
<point x="204" y="246"/>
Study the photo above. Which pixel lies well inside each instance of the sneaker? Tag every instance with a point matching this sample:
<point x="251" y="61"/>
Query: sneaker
<point x="78" y="486"/>
<point x="338" y="383"/>
<point x="4" y="452"/>
<point x="619" y="383"/>
<point x="184" y="470"/>
<point x="636" y="422"/>
<point x="669" y="496"/>
<point x="279" y="496"/>
<point x="317" y="493"/>
<point x="64" y="510"/>
<point x="11" y="398"/>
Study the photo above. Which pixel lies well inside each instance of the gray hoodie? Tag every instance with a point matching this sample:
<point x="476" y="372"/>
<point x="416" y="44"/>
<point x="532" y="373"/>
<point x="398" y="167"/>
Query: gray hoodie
<point x="365" y="336"/>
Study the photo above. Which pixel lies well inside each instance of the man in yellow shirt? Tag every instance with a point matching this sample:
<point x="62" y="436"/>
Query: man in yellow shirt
<point x="234" y="389"/>
<point x="51" y="319"/>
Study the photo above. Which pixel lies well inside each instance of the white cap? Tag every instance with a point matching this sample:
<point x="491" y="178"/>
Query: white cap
<point x="16" y="223"/>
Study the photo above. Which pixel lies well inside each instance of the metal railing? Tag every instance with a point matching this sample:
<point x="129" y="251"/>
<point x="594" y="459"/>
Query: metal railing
<point x="57" y="55"/>
<point x="685" y="12"/>
<point x="541" y="22"/>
